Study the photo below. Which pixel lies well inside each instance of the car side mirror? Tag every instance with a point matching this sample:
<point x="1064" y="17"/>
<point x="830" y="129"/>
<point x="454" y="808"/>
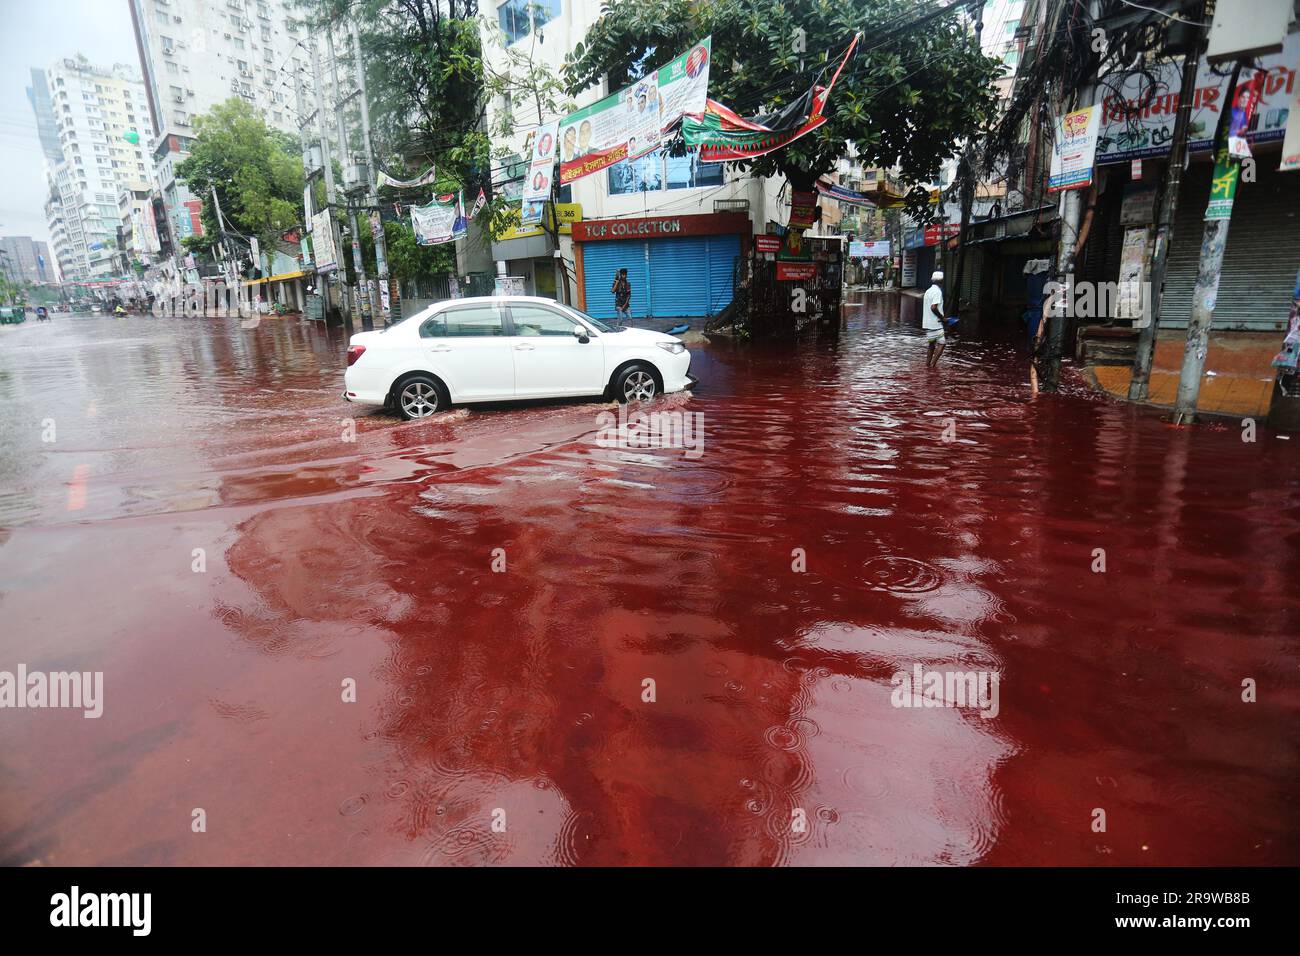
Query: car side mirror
<point x="580" y="333"/>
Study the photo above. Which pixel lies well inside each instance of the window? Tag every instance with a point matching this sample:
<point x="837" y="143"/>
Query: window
<point x="518" y="17"/>
<point x="173" y="66"/>
<point x="238" y="42"/>
<point x="539" y="320"/>
<point x="464" y="321"/>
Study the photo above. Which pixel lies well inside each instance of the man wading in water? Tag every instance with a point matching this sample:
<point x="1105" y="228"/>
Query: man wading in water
<point x="932" y="320"/>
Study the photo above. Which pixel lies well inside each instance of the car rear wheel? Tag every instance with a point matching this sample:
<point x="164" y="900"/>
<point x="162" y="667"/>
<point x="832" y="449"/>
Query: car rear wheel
<point x="419" y="397"/>
<point x="636" y="383"/>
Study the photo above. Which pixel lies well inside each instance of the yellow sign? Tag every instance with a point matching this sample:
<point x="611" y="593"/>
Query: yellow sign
<point x="566" y="212"/>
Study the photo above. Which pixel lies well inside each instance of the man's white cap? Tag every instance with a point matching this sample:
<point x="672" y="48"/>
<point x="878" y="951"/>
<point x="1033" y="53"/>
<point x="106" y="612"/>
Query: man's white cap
<point x="937" y="277"/>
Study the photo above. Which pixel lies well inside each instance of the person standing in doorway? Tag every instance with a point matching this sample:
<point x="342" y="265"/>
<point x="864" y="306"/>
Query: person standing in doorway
<point x="622" y="295"/>
<point x="932" y="320"/>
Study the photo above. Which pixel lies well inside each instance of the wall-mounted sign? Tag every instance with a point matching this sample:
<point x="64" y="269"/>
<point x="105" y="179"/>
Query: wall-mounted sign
<point x="796" y="271"/>
<point x="1137" y="122"/>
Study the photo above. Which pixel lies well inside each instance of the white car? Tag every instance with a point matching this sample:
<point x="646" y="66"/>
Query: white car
<point x="495" y="349"/>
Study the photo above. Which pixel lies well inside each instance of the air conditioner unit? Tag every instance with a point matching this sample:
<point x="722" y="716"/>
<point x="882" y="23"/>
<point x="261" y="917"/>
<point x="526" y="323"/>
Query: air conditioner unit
<point x="248" y="24"/>
<point x="178" y="97"/>
<point x="226" y="35"/>
<point x="245" y="72"/>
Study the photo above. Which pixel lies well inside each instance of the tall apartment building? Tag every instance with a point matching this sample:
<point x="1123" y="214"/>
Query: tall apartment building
<point x="196" y="54"/>
<point x="23" y="259"/>
<point x="96" y="112"/>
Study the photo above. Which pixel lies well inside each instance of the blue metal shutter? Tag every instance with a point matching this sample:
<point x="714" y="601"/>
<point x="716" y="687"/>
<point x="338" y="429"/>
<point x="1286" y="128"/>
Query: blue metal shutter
<point x="679" y="277"/>
<point x="723" y="252"/>
<point x="600" y="260"/>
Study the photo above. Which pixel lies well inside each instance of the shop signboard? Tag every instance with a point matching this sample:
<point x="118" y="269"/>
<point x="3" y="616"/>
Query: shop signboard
<point x="1139" y="107"/>
<point x="796" y="271"/>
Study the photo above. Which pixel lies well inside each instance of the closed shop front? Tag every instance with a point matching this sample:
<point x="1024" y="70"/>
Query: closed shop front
<point x="679" y="266"/>
<point x="1260" y="260"/>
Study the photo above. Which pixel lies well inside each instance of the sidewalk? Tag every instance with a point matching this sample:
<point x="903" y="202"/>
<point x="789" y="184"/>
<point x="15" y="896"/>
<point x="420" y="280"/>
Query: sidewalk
<point x="1238" y="377"/>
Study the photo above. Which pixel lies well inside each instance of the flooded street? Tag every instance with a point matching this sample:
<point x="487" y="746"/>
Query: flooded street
<point x="500" y="586"/>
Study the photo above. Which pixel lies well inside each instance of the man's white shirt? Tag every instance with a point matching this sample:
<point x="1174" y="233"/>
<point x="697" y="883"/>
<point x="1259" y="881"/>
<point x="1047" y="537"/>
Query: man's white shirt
<point x="933" y="296"/>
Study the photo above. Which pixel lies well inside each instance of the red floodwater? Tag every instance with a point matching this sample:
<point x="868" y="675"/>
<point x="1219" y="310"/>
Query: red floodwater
<point x="500" y="586"/>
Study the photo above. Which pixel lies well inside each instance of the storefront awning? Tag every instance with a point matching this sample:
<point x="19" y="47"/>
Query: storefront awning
<point x="280" y="278"/>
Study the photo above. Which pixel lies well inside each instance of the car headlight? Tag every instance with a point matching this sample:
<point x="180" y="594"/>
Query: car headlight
<point x="674" y="347"/>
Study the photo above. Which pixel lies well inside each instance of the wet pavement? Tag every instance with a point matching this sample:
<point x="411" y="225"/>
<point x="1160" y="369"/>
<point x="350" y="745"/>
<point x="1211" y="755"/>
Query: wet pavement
<point x="201" y="530"/>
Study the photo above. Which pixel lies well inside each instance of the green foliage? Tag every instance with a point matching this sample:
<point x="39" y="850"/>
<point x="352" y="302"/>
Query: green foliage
<point x="904" y="102"/>
<point x="424" y="77"/>
<point x="256" y="171"/>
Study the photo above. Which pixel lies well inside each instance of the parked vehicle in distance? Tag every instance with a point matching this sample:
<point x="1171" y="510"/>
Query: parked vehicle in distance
<point x="12" y="314"/>
<point x="503" y="348"/>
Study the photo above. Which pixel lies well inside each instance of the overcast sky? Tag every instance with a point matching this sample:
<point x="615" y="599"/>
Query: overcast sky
<point x="33" y="33"/>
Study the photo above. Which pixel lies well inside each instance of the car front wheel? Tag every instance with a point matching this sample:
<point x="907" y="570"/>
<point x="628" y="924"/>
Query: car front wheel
<point x="635" y="384"/>
<point x="419" y="397"/>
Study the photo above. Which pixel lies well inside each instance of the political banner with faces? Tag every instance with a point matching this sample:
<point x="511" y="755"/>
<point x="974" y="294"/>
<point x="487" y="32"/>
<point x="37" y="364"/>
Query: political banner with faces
<point x="633" y="121"/>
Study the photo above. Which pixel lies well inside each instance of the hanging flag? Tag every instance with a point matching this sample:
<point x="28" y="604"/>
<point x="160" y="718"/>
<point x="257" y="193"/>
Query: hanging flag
<point x="425" y="180"/>
<point x="723" y="136"/>
<point x="478" y="203"/>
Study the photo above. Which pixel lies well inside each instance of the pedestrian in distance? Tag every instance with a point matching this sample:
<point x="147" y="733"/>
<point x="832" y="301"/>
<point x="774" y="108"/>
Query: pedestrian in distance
<point x="622" y="290"/>
<point x="933" y="321"/>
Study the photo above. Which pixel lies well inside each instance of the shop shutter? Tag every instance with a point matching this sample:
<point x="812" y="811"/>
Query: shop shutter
<point x="600" y="260"/>
<point x="723" y="253"/>
<point x="1261" y="258"/>
<point x="679" y="277"/>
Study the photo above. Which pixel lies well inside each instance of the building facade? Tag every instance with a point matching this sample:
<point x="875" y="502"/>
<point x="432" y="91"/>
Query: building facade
<point x="679" y="226"/>
<point x="195" y="54"/>
<point x="23" y="259"/>
<point x="102" y="123"/>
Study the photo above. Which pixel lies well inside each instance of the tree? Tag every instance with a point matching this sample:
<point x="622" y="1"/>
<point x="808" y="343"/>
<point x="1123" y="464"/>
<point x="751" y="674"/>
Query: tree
<point x="909" y="94"/>
<point x="424" y="76"/>
<point x="256" y="171"/>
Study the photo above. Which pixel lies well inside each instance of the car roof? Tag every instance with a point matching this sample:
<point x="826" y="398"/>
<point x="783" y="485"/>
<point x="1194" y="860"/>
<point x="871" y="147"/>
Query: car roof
<point x="497" y="300"/>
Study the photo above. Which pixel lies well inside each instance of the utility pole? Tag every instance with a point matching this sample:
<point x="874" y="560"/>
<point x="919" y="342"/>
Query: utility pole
<point x="308" y="173"/>
<point x="1173" y="179"/>
<point x="1213" y="242"/>
<point x="966" y="172"/>
<point x="345" y="155"/>
<point x="1071" y="213"/>
<point x="328" y="165"/>
<point x="383" y="306"/>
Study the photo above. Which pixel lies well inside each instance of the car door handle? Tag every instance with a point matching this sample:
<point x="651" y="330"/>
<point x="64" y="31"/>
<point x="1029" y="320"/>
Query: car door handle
<point x="440" y="348"/>
<point x="524" y="347"/>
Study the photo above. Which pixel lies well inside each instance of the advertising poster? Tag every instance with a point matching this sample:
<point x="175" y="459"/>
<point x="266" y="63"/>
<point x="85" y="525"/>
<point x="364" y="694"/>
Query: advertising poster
<point x="1135" y="123"/>
<point x="684" y="84"/>
<point x="436" y="222"/>
<point x="874" y="249"/>
<point x="1073" y="149"/>
<point x="322" y="241"/>
<point x="537" y="185"/>
<point x="1223" y="187"/>
<point x="794" y="245"/>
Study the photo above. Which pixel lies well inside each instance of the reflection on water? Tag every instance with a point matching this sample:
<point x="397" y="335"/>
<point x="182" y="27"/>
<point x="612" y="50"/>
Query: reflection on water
<point x="564" y="653"/>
